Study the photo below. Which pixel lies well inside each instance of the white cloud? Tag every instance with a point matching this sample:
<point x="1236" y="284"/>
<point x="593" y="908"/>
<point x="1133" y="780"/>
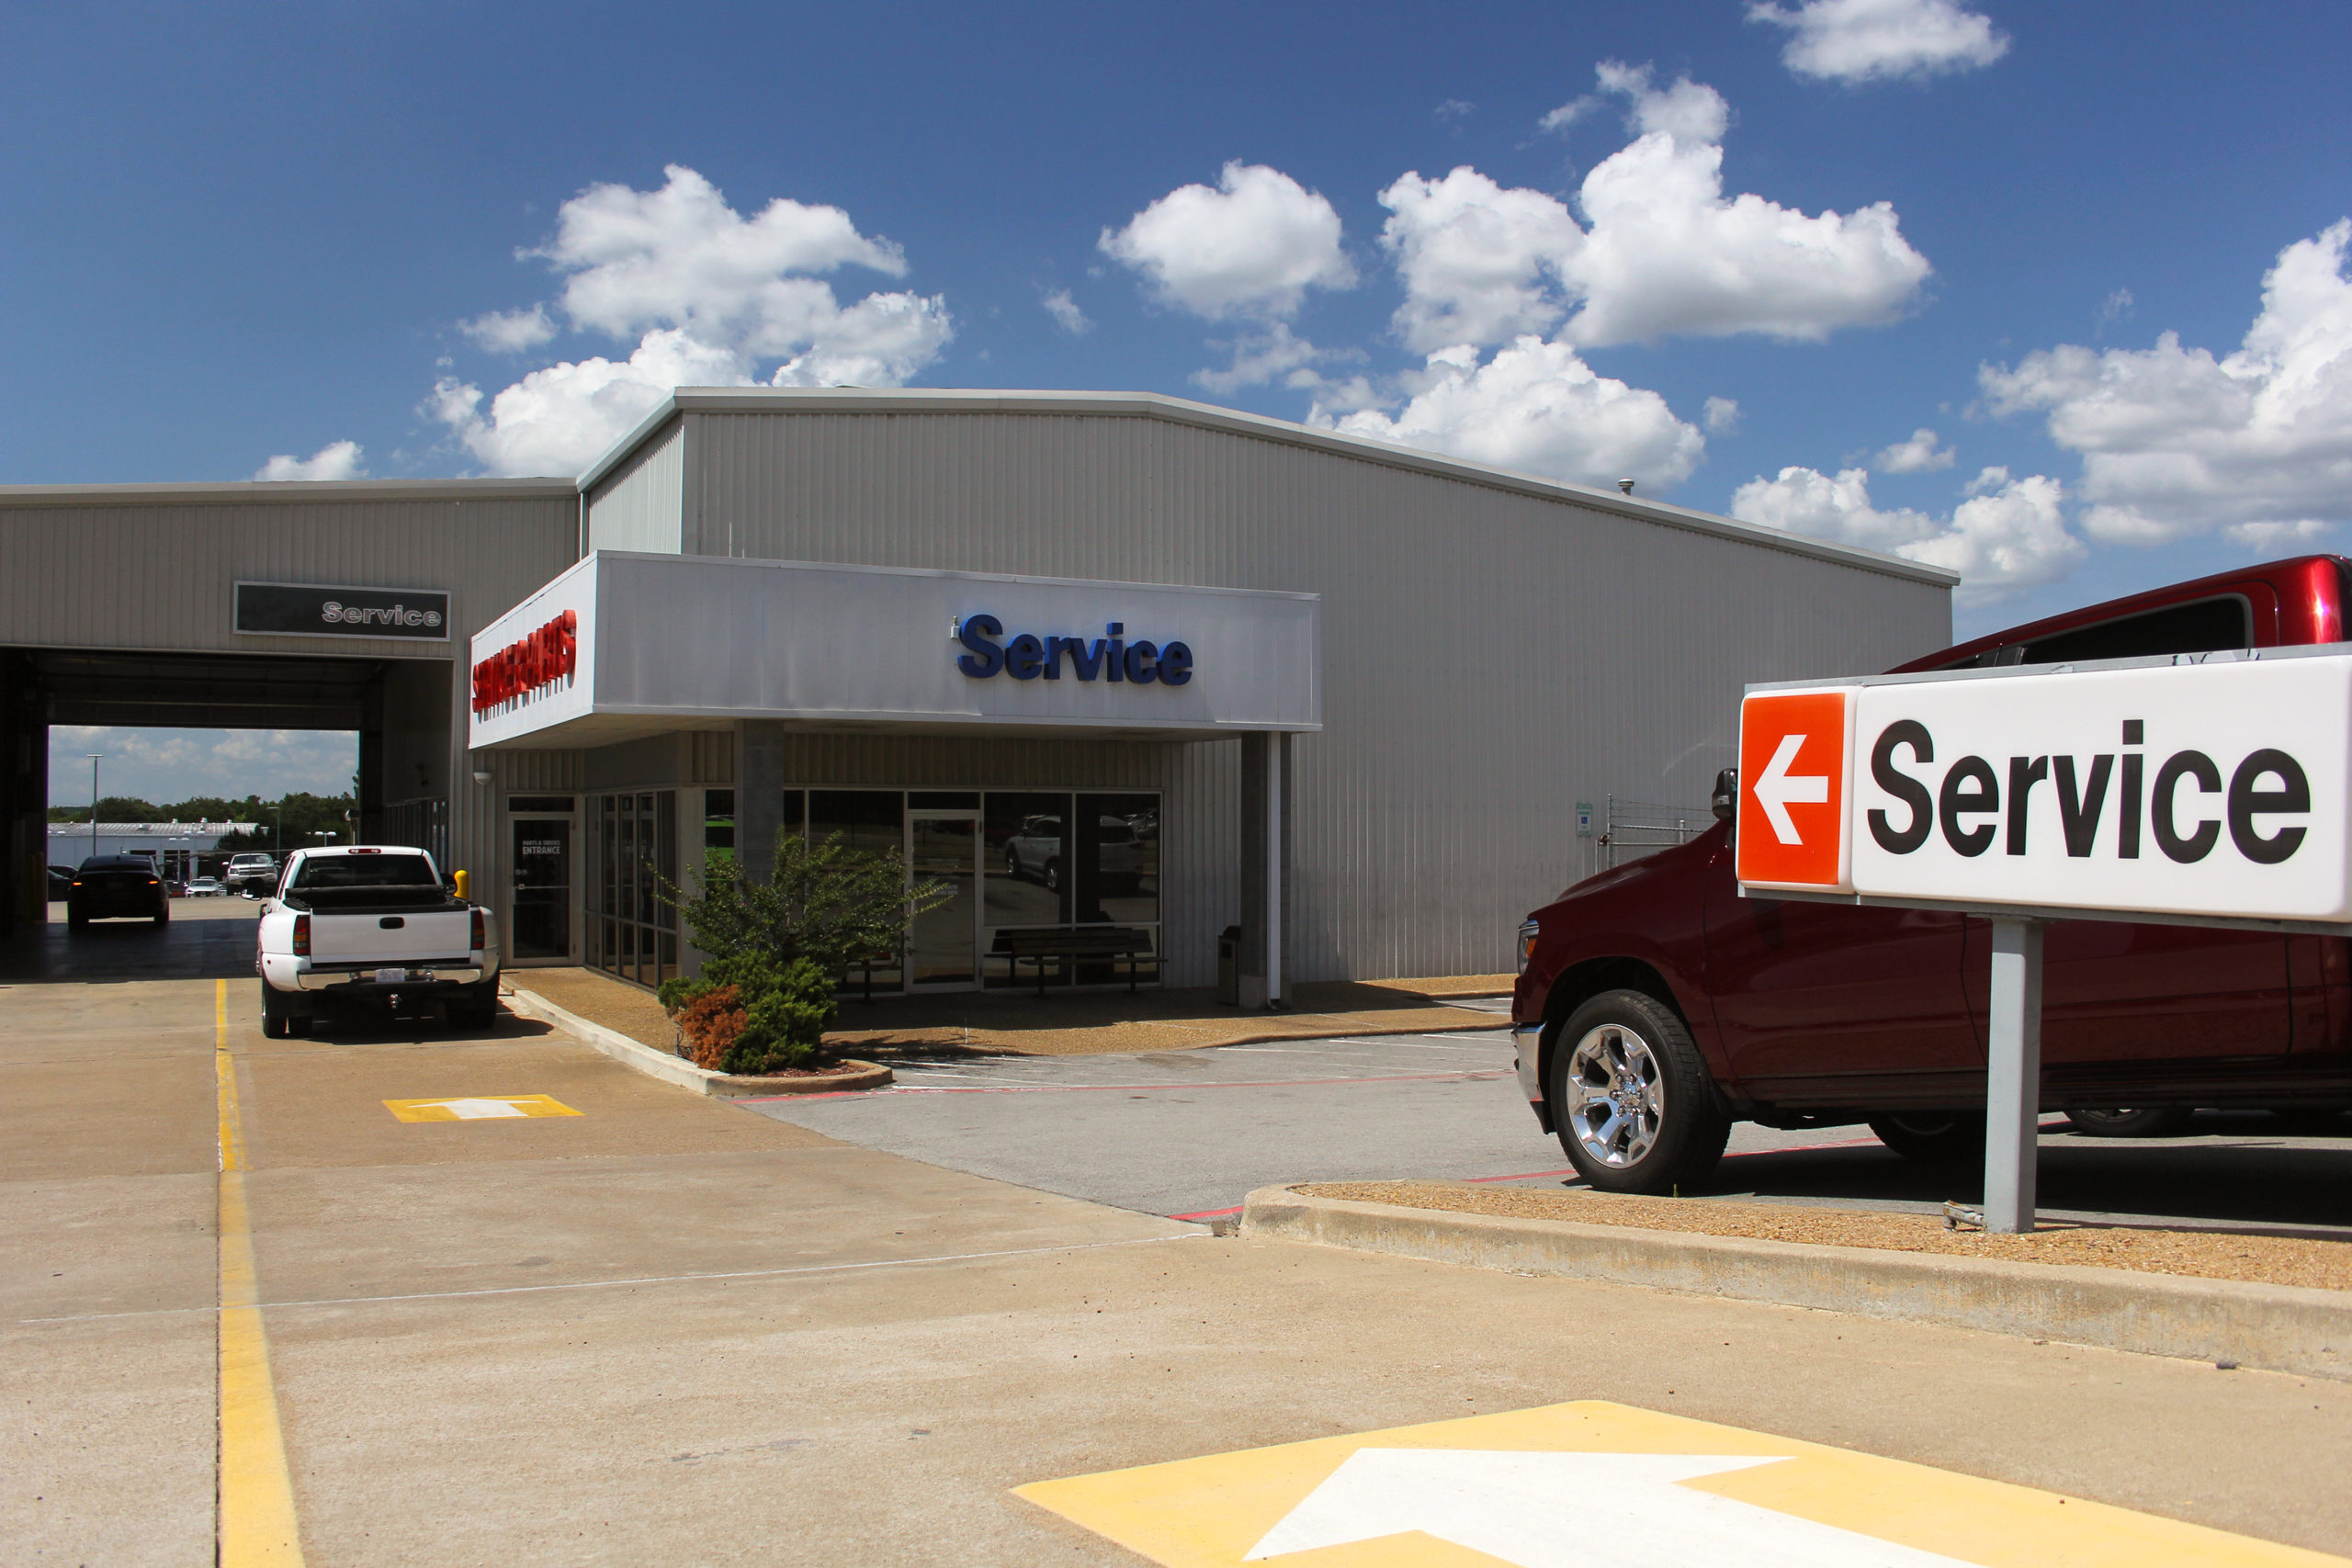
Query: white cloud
<point x="1661" y="251"/>
<point x="1917" y="455"/>
<point x="2274" y="539"/>
<point x="1276" y="353"/>
<point x="712" y="299"/>
<point x="1688" y="111"/>
<point x="511" y="331"/>
<point x="1537" y="407"/>
<point x="2009" y="533"/>
<point x="1066" y="313"/>
<point x="1251" y="247"/>
<point x="1871" y="41"/>
<point x="1480" y="263"/>
<point x="562" y="418"/>
<point x="1722" y="416"/>
<point x="335" y="461"/>
<point x="680" y="256"/>
<point x="2175" y="442"/>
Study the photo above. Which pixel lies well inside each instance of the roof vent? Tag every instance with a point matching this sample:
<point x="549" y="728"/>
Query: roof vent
<point x="1625" y="485"/>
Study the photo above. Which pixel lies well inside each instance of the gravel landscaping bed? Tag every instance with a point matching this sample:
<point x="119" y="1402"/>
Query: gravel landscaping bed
<point x="2212" y="1255"/>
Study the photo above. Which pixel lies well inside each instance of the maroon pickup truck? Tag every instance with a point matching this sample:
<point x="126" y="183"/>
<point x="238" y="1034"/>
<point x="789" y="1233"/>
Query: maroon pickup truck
<point x="1655" y="1005"/>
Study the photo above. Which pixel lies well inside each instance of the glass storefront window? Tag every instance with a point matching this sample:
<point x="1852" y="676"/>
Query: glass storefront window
<point x="869" y="819"/>
<point x="637" y="851"/>
<point x="718" y="824"/>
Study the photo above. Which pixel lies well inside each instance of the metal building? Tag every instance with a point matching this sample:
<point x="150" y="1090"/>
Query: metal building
<point x="1391" y="677"/>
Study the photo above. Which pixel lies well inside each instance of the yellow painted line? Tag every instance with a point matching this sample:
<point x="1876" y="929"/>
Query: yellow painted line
<point x="1449" y="1494"/>
<point x="479" y="1108"/>
<point x="257" y="1528"/>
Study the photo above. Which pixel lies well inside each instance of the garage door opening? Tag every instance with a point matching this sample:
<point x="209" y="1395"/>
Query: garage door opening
<point x="172" y="765"/>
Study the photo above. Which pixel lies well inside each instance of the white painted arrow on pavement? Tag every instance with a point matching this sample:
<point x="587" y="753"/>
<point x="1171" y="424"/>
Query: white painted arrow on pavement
<point x="1572" y="1510"/>
<point x="478" y="1110"/>
<point x="1776" y="791"/>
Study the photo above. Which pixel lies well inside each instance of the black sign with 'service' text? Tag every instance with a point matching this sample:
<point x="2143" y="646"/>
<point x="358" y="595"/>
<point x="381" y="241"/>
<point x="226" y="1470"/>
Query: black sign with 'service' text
<point x="306" y="609"/>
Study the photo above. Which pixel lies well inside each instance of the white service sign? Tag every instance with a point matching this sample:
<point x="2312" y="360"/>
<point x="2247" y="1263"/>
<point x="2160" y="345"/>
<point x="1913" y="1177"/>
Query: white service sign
<point x="2215" y="789"/>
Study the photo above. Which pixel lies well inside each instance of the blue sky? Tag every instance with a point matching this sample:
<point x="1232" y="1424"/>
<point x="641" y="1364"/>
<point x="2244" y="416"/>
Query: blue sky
<point x="239" y="233"/>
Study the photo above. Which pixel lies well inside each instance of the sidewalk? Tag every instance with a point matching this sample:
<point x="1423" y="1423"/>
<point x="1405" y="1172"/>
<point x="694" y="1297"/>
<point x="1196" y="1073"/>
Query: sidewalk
<point x="1077" y="1024"/>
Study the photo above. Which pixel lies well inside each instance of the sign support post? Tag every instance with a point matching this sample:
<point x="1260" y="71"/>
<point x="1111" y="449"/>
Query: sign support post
<point x="2013" y="1083"/>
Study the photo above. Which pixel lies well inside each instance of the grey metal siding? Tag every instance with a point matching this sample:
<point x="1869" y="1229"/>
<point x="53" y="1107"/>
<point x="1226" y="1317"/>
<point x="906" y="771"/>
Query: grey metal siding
<point x="640" y="507"/>
<point x="159" y="572"/>
<point x="1490" y="658"/>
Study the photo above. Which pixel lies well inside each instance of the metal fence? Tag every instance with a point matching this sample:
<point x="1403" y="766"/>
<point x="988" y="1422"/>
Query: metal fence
<point x="1635" y="827"/>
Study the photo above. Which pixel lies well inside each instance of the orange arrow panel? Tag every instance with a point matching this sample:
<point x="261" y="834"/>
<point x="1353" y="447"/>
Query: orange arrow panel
<point x="1792" y="824"/>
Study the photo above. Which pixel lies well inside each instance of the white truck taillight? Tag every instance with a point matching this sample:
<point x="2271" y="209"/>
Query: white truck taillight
<point x="481" y="932"/>
<point x="301" y="936"/>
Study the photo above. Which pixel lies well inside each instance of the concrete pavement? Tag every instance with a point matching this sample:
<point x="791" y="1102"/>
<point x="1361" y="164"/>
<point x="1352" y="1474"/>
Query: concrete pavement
<point x="669" y="1330"/>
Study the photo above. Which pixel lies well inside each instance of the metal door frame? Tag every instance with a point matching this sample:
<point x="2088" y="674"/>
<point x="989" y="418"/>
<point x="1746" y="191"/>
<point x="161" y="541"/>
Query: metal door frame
<point x="979" y="895"/>
<point x="575" y="884"/>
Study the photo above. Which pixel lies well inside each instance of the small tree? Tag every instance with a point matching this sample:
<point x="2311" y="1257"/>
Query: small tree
<point x="765" y="998"/>
<point x="826" y="902"/>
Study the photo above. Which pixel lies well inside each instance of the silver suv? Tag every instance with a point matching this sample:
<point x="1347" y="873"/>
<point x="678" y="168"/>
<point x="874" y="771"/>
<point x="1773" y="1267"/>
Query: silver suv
<point x="254" y="875"/>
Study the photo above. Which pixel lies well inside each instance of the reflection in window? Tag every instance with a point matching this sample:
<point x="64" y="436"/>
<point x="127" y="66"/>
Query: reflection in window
<point x="718" y="823"/>
<point x="1116" y="852"/>
<point x="873" y="820"/>
<point x="1026" y="884"/>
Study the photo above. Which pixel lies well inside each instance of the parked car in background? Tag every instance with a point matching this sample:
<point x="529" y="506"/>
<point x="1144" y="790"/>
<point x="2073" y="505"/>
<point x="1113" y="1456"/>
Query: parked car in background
<point x="112" y="886"/>
<point x="204" y="887"/>
<point x="1655" y="1005"/>
<point x="375" y="928"/>
<point x="1036" y="853"/>
<point x="252" y="873"/>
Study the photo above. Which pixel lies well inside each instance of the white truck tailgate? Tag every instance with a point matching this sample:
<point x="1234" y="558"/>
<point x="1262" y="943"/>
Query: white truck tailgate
<point x="365" y="936"/>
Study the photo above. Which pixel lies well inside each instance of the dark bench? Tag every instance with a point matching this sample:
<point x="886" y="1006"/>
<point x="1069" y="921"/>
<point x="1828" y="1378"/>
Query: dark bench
<point x="1078" y="944"/>
<point x="865" y="966"/>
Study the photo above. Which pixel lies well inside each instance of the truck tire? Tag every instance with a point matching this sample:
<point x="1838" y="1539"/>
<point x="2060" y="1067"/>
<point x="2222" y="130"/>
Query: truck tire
<point x="1632" y="1097"/>
<point x="2163" y="1122"/>
<point x="1932" y="1137"/>
<point x="477" y="1008"/>
<point x="277" y="1023"/>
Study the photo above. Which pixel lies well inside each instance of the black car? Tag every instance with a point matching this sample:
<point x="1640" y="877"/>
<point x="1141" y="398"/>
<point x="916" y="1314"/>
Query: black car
<point x="108" y="885"/>
<point x="61" y="882"/>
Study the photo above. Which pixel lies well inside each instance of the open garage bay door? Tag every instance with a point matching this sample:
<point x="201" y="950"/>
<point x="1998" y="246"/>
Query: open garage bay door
<point x="399" y="707"/>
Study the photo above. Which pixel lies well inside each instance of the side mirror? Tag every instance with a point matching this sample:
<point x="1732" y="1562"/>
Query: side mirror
<point x="1726" y="799"/>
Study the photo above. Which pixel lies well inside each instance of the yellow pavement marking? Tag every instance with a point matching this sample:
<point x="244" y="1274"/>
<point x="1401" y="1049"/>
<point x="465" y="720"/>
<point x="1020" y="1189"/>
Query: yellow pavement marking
<point x="477" y="1108"/>
<point x="1227" y="1509"/>
<point x="256" y="1494"/>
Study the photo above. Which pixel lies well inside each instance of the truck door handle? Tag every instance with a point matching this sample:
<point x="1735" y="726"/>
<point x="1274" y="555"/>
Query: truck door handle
<point x="391" y="922"/>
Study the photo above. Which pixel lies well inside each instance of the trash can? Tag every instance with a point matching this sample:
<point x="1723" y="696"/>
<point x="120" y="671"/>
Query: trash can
<point x="1228" y="966"/>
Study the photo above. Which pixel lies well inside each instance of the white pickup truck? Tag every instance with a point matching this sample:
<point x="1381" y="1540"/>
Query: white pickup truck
<point x="377" y="927"/>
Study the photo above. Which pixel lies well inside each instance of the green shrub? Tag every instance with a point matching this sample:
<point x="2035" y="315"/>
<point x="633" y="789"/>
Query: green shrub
<point x="775" y="1018"/>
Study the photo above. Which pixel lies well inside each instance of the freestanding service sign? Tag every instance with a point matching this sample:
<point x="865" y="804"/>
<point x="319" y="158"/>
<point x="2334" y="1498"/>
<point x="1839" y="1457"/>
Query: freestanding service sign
<point x="2211" y="790"/>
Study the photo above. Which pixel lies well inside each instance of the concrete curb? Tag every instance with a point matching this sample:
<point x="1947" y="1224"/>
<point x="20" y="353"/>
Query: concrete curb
<point x="2283" y="1327"/>
<point x="674" y="1069"/>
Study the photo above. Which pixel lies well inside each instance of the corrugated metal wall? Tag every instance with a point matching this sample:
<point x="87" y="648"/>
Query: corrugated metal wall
<point x="157" y="570"/>
<point x="640" y="505"/>
<point x="1490" y="656"/>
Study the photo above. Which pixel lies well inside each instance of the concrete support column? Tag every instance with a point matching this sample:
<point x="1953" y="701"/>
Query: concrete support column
<point x="760" y="778"/>
<point x="1267" y="793"/>
<point x="2013" y="1087"/>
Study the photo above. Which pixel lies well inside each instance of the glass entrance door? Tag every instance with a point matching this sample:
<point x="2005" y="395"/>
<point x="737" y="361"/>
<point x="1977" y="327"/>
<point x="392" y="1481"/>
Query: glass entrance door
<point x="943" y="949"/>
<point x="541" y="926"/>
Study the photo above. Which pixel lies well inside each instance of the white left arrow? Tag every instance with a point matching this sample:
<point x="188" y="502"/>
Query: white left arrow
<point x="1572" y="1510"/>
<point x="1776" y="791"/>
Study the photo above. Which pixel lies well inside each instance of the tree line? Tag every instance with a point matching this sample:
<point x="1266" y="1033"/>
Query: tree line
<point x="303" y="814"/>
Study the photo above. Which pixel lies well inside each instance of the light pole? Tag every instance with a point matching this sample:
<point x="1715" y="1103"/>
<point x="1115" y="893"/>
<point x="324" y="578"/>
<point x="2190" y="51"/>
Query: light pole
<point x="94" y="757"/>
<point x="278" y="839"/>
